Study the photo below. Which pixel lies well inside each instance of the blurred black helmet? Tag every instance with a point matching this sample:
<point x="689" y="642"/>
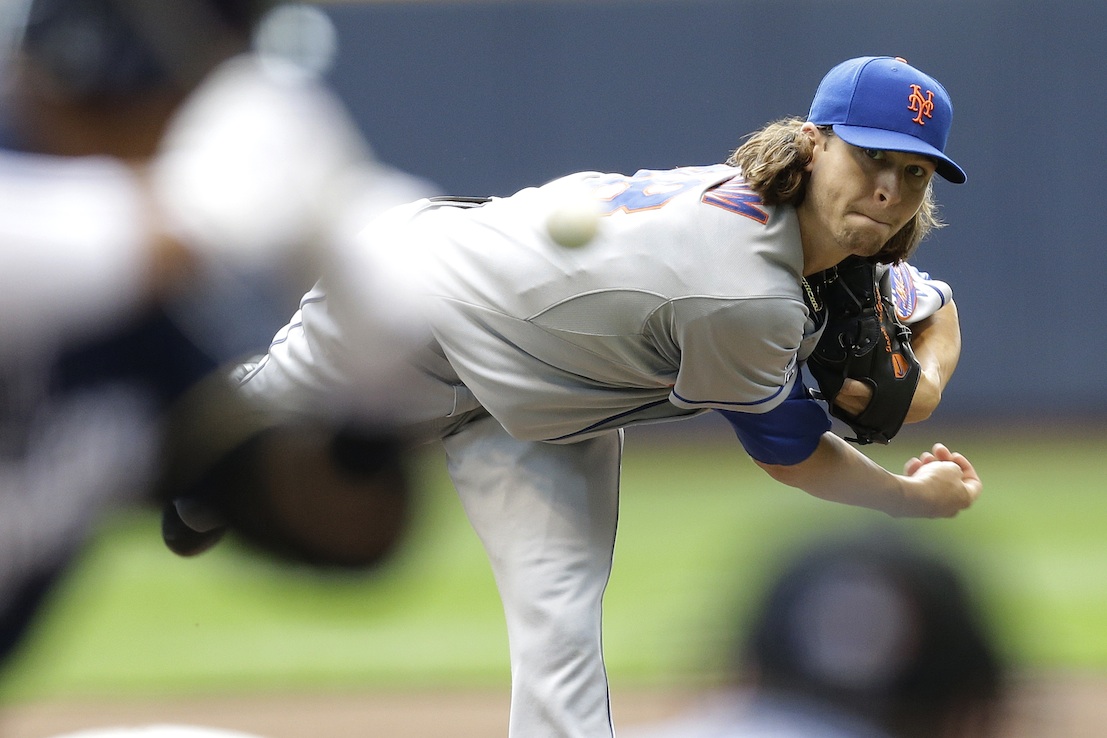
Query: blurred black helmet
<point x="117" y="48"/>
<point x="877" y="625"/>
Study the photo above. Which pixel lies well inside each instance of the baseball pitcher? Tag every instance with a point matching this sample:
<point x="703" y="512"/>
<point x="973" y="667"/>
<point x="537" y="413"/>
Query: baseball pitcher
<point x="701" y="289"/>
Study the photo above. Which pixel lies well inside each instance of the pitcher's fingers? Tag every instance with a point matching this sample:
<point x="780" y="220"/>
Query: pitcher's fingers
<point x="941" y="451"/>
<point x="974" y="486"/>
<point x="968" y="471"/>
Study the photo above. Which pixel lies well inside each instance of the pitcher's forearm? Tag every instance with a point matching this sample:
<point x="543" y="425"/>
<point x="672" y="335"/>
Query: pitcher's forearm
<point x="936" y="484"/>
<point x="936" y="342"/>
<point x="837" y="472"/>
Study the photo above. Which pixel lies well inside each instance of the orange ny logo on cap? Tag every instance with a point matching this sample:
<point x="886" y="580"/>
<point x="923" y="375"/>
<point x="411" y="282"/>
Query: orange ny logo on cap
<point x="920" y="105"/>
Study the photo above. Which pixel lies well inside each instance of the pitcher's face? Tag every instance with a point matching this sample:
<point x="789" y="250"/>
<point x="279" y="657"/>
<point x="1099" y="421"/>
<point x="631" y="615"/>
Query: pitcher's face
<point x="857" y="199"/>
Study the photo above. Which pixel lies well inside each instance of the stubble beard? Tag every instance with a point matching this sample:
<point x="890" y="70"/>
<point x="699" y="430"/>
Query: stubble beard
<point x="859" y="242"/>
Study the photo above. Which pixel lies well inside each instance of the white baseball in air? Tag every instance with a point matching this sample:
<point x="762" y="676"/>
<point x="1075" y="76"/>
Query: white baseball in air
<point x="574" y="222"/>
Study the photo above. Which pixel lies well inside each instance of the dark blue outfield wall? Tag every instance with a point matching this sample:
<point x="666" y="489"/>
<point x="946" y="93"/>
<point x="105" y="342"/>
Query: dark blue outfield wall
<point x="488" y="97"/>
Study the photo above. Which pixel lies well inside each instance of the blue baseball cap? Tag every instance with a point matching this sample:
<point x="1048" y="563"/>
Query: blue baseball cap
<point x="882" y="102"/>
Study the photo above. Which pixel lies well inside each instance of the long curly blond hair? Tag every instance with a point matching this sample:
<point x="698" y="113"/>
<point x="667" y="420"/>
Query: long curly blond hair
<point x="773" y="161"/>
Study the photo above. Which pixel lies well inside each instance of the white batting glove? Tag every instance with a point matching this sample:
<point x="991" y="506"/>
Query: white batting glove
<point x="256" y="163"/>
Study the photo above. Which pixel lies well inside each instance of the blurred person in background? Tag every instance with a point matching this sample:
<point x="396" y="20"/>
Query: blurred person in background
<point x="862" y="636"/>
<point x="163" y="189"/>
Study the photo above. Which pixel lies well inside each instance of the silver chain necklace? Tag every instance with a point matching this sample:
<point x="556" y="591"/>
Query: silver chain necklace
<point x="810" y="295"/>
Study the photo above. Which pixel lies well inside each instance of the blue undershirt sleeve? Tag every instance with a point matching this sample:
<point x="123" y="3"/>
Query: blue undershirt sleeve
<point x="787" y="434"/>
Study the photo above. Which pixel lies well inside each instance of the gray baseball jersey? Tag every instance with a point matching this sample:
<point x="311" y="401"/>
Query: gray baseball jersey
<point x="688" y="298"/>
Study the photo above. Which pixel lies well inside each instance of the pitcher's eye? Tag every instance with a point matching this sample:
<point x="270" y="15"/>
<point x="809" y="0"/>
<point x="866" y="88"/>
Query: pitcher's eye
<point x="876" y="154"/>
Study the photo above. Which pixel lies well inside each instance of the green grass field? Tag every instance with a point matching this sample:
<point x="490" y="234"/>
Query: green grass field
<point x="701" y="530"/>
